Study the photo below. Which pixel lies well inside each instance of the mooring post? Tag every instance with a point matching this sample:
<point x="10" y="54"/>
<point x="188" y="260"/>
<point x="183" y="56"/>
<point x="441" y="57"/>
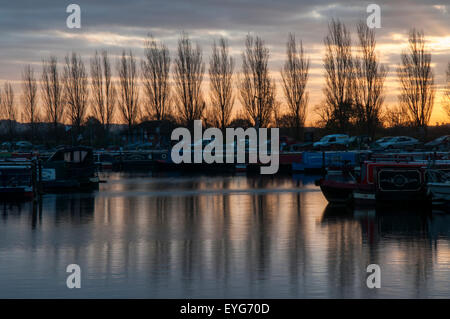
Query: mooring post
<point x="40" y="176"/>
<point x="324" y="170"/>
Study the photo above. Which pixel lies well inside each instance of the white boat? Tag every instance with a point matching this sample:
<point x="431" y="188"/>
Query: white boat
<point x="438" y="187"/>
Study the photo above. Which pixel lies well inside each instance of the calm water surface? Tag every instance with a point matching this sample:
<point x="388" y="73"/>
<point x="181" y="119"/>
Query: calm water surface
<point x="150" y="236"/>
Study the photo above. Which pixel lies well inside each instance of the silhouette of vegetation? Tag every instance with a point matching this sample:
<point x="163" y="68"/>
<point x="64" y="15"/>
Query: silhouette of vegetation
<point x="417" y="81"/>
<point x="155" y="78"/>
<point x="369" y="82"/>
<point x="294" y="75"/>
<point x="337" y="111"/>
<point x="105" y="106"/>
<point x="257" y="88"/>
<point x="221" y="67"/>
<point x="103" y="90"/>
<point x="128" y="90"/>
<point x="188" y="76"/>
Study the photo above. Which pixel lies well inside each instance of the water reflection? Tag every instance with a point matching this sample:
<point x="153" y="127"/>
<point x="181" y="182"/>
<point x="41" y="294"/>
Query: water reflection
<point x="217" y="236"/>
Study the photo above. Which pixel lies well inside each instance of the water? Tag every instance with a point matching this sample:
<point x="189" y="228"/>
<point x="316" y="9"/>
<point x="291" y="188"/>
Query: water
<point x="144" y="236"/>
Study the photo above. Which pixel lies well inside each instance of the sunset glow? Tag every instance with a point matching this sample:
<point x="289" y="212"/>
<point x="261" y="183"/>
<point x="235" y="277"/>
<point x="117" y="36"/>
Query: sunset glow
<point x="47" y="34"/>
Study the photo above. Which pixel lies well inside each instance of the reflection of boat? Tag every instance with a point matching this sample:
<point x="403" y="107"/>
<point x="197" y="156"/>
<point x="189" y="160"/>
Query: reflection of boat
<point x="69" y="169"/>
<point x="17" y="180"/>
<point x="438" y="187"/>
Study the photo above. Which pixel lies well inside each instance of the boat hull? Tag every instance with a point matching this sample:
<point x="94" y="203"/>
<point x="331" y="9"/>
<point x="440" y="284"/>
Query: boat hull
<point x="439" y="193"/>
<point x="337" y="192"/>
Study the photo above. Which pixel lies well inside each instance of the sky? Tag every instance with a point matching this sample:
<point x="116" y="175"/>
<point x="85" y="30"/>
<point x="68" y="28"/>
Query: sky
<point x="31" y="30"/>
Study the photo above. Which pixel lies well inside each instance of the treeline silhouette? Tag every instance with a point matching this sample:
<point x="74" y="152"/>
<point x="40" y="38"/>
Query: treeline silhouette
<point x="161" y="88"/>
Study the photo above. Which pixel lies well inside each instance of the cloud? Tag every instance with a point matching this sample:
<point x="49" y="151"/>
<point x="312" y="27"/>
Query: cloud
<point x="31" y="30"/>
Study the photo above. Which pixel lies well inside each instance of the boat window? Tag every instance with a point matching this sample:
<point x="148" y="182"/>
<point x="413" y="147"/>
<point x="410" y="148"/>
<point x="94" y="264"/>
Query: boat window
<point x="79" y="156"/>
<point x="75" y="156"/>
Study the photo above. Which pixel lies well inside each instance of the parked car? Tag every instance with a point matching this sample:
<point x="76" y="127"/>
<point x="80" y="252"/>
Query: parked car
<point x="440" y="144"/>
<point x="359" y="142"/>
<point x="396" y="142"/>
<point x="332" y="140"/>
<point x="6" y="145"/>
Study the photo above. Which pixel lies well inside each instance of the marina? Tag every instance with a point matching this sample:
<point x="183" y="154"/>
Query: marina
<point x="142" y="227"/>
<point x="210" y="150"/>
<point x="348" y="177"/>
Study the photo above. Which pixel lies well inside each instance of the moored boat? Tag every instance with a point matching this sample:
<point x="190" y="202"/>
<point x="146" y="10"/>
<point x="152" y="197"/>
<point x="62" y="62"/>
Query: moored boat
<point x="320" y="161"/>
<point x="379" y="183"/>
<point x="17" y="180"/>
<point x="69" y="169"/>
<point x="438" y="187"/>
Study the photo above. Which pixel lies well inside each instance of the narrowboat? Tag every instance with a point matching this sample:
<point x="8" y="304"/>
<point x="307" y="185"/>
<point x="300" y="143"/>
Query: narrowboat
<point x="17" y="180"/>
<point x="438" y="187"/>
<point x="339" y="184"/>
<point x="319" y="161"/>
<point x="379" y="183"/>
<point x="391" y="183"/>
<point x="70" y="169"/>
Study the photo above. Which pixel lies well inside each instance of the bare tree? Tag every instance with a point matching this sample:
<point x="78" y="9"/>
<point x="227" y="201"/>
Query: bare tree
<point x="8" y="108"/>
<point x="369" y="81"/>
<point x="76" y="92"/>
<point x="103" y="90"/>
<point x="337" y="109"/>
<point x="447" y="92"/>
<point x="29" y="97"/>
<point x="257" y="89"/>
<point x="189" y="71"/>
<point x="417" y="81"/>
<point x="52" y="90"/>
<point x="221" y="67"/>
<point x="394" y="116"/>
<point x="129" y="90"/>
<point x="155" y="76"/>
<point x="295" y="76"/>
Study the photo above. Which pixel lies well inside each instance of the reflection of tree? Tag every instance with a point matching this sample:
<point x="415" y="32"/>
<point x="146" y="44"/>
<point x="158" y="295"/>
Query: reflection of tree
<point x="261" y="240"/>
<point x="37" y="213"/>
<point x="298" y="255"/>
<point x="15" y="209"/>
<point x="417" y="81"/>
